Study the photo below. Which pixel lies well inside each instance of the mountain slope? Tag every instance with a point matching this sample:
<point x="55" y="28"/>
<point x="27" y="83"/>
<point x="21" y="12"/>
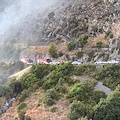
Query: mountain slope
<point x="70" y="19"/>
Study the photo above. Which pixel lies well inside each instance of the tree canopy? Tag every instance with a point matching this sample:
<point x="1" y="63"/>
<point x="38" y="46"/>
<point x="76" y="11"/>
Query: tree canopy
<point x="108" y="109"/>
<point x="82" y="40"/>
<point x="53" y="51"/>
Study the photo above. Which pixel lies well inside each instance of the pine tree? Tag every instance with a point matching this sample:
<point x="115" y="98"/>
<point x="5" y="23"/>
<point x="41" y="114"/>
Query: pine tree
<point x="53" y="51"/>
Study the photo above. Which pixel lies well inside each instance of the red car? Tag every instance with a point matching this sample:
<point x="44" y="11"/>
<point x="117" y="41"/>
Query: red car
<point x="43" y="60"/>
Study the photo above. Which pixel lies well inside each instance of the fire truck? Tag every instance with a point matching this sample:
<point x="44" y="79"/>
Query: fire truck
<point x="45" y="60"/>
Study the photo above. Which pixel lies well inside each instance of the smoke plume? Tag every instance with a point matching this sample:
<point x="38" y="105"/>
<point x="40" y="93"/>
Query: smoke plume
<point x="12" y="11"/>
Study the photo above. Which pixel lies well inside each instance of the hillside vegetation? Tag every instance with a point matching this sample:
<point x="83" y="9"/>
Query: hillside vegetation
<point x="78" y="23"/>
<point x="50" y="88"/>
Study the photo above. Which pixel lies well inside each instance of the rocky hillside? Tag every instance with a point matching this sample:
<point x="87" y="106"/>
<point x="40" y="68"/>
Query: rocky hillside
<point x="66" y="20"/>
<point x="70" y="17"/>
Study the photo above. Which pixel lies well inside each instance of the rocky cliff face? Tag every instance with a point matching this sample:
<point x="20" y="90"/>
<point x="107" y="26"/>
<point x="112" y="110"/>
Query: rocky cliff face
<point x="70" y="19"/>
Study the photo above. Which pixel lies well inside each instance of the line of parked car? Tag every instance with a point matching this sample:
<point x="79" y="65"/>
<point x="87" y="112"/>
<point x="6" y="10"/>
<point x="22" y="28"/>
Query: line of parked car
<point x="107" y="62"/>
<point x="46" y="61"/>
<point x="49" y="61"/>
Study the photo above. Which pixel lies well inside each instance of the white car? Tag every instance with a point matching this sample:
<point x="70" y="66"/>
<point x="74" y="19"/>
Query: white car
<point x="53" y="63"/>
<point x="76" y="63"/>
<point x="113" y="61"/>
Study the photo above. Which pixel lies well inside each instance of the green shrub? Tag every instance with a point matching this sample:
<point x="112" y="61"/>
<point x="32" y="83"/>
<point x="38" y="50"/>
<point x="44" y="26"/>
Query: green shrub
<point x="79" y="70"/>
<point x="53" y="109"/>
<point x="24" y="94"/>
<point x="22" y="115"/>
<point x="68" y="80"/>
<point x="15" y="85"/>
<point x="97" y="95"/>
<point x="111" y="35"/>
<point x="61" y="89"/>
<point x="108" y="34"/>
<point x="41" y="70"/>
<point x="61" y="81"/>
<point x="106" y="19"/>
<point x="28" y="79"/>
<point x="49" y="83"/>
<point x="60" y="54"/>
<point x="82" y="40"/>
<point x="108" y="109"/>
<point x="49" y="101"/>
<point x="35" y="87"/>
<point x="78" y="109"/>
<point x="52" y="80"/>
<point x="21" y="106"/>
<point x="65" y="68"/>
<point x="99" y="44"/>
<point x="70" y="46"/>
<point x="40" y="101"/>
<point x="110" y="74"/>
<point x="60" y="71"/>
<point x="51" y="97"/>
<point x="80" y="91"/>
<point x="53" y="51"/>
<point x="94" y="28"/>
<point x="91" y="55"/>
<point x="27" y="118"/>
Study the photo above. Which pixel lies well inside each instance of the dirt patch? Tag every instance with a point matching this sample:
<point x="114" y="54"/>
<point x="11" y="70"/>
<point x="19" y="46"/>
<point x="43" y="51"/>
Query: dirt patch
<point x="92" y="41"/>
<point x="2" y="101"/>
<point x="11" y="113"/>
<point x="42" y="111"/>
<point x="39" y="111"/>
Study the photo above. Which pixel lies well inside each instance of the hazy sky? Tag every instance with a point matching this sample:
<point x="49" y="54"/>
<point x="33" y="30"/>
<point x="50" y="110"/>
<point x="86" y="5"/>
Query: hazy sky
<point x="11" y="11"/>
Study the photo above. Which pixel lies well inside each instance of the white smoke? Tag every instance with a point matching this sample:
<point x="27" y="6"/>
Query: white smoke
<point x="14" y="12"/>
